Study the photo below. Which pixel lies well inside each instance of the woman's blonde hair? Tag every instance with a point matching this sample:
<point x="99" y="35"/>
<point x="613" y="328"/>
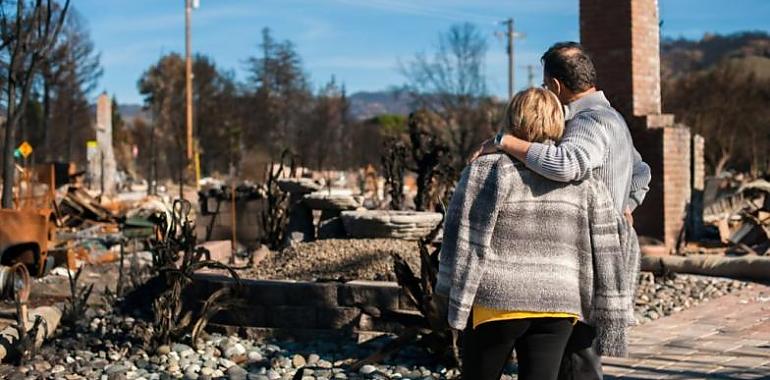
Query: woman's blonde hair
<point x="534" y="115"/>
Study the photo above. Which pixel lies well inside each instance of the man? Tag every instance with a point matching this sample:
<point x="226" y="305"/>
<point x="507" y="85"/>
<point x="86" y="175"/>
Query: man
<point x="596" y="142"/>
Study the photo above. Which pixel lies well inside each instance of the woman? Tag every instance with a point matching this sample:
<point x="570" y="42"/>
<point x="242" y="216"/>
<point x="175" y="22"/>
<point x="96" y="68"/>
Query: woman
<point x="523" y="257"/>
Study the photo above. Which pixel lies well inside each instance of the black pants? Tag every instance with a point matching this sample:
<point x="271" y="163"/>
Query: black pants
<point x="581" y="361"/>
<point x="539" y="344"/>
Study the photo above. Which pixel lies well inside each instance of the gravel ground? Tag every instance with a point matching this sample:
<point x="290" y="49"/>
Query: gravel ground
<point x="658" y="296"/>
<point x="338" y="259"/>
<point x="109" y="346"/>
<point x="108" y="349"/>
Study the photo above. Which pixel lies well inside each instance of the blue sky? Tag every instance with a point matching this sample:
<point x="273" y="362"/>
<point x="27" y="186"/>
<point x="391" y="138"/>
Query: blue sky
<point x="361" y="42"/>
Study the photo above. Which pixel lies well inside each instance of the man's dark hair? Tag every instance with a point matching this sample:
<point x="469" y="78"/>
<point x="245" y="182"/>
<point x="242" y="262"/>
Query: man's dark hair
<point x="571" y="65"/>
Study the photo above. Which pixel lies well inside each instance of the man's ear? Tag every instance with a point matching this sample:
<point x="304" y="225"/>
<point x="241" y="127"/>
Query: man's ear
<point x="556" y="86"/>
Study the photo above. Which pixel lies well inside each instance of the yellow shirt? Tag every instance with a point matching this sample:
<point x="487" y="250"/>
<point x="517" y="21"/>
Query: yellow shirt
<point x="483" y="314"/>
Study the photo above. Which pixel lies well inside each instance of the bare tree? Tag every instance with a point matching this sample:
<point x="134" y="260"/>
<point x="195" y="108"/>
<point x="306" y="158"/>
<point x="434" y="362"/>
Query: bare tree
<point x="217" y="123"/>
<point x="28" y="31"/>
<point x="163" y="88"/>
<point x="280" y="95"/>
<point x="69" y="77"/>
<point x="322" y="142"/>
<point x="452" y="84"/>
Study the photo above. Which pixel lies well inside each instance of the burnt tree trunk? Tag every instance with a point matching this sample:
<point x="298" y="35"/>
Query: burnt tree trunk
<point x="9" y="169"/>
<point x="46" y="119"/>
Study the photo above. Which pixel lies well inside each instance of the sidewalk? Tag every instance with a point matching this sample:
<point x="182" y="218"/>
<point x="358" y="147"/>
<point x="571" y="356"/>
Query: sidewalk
<point x="726" y="338"/>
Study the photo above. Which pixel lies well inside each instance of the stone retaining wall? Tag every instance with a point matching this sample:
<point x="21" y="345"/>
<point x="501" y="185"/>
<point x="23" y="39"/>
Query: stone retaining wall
<point x="287" y="304"/>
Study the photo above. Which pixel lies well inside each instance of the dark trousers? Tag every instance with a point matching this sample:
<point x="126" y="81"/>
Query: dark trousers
<point x="539" y="344"/>
<point x="581" y="361"/>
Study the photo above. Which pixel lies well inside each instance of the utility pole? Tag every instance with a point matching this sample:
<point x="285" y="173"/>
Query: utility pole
<point x="191" y="156"/>
<point x="188" y="75"/>
<point x="510" y="57"/>
<point x="511" y="34"/>
<point x="530" y="75"/>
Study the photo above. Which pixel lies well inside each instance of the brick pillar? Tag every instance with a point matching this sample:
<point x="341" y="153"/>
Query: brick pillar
<point x="698" y="173"/>
<point x="623" y="39"/>
<point x="676" y="182"/>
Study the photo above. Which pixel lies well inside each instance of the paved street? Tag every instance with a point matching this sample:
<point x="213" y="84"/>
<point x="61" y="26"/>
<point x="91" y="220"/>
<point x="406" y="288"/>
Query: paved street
<point x="727" y="338"/>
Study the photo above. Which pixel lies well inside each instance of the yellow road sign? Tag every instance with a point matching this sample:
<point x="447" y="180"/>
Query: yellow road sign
<point x="25" y="149"/>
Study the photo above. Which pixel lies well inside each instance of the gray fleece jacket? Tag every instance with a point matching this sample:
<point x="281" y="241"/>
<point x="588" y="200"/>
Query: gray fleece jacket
<point x="514" y="240"/>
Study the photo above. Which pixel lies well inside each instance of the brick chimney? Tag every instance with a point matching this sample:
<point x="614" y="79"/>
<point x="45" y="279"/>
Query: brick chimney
<point x="622" y="37"/>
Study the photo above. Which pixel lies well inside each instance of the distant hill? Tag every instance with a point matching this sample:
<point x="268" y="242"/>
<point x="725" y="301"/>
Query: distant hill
<point x="131" y="111"/>
<point x="679" y="56"/>
<point x="365" y="105"/>
<point x="128" y="112"/>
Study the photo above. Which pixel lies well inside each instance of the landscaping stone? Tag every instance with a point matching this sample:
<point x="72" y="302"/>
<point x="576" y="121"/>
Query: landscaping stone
<point x="300" y="225"/>
<point x="322" y="200"/>
<point x="376" y="293"/>
<point x="298" y="185"/>
<point x="407" y="225"/>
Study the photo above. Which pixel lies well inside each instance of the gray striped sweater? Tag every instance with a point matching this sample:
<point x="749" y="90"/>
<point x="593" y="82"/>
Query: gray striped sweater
<point x="514" y="240"/>
<point x="596" y="138"/>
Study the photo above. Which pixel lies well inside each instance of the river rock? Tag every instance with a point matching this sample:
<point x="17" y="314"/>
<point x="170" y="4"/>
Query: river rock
<point x="298" y="361"/>
<point x="254" y="356"/>
<point x="367" y="369"/>
<point x="236" y="349"/>
<point x="237" y="373"/>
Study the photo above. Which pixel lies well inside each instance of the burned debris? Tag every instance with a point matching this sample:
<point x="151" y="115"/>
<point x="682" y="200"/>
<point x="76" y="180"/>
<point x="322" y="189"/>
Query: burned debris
<point x="739" y="211"/>
<point x="301" y="252"/>
<point x="316" y="255"/>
